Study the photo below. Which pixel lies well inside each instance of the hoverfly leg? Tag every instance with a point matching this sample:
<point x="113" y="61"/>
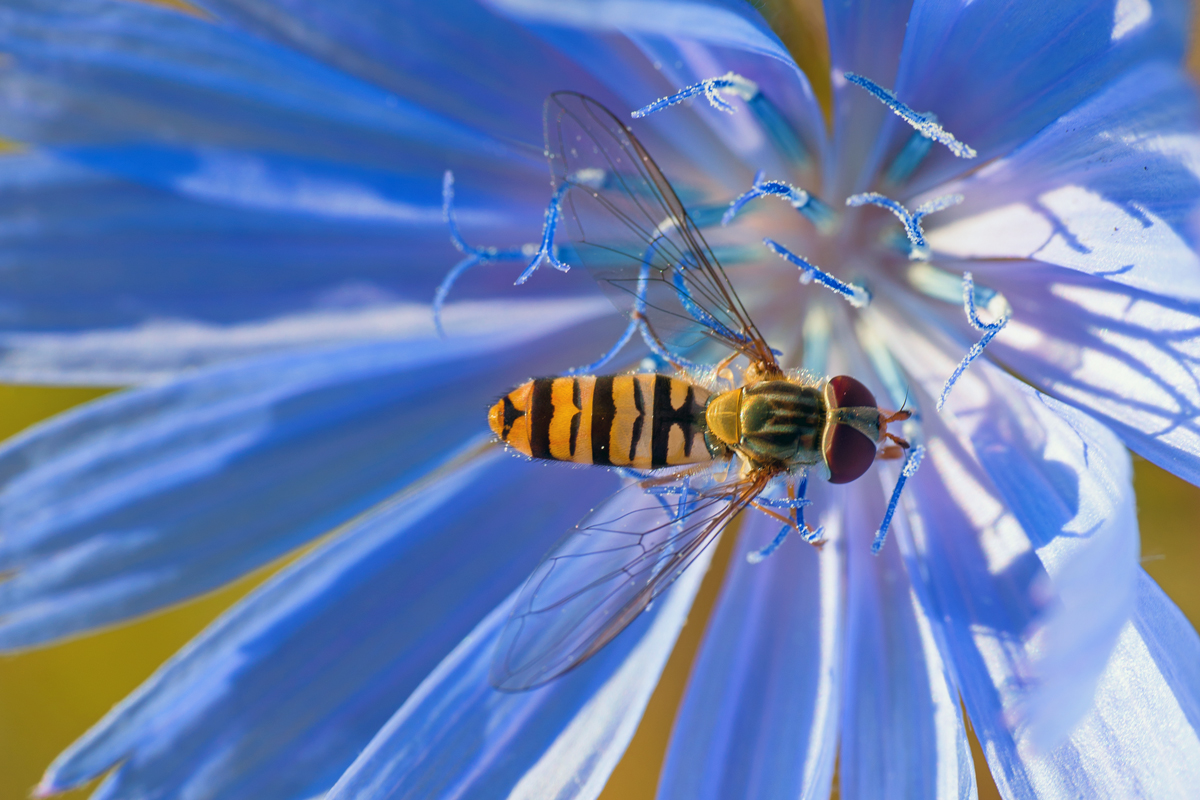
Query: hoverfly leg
<point x="775" y="515"/>
<point x="722" y="369"/>
<point x="902" y="444"/>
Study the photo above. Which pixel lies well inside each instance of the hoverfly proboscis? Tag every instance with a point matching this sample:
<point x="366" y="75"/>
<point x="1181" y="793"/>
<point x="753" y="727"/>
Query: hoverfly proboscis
<point x="633" y="233"/>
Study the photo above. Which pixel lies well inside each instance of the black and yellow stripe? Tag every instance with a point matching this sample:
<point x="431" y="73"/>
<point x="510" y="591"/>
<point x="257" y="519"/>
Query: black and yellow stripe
<point x="640" y="421"/>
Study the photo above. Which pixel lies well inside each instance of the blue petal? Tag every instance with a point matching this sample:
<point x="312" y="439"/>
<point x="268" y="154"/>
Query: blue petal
<point x="1129" y="357"/>
<point x="1050" y="568"/>
<point x="685" y="41"/>
<point x="723" y="23"/>
<point x="902" y="729"/>
<point x="760" y="716"/>
<point x="864" y="38"/>
<point x="202" y="124"/>
<point x="458" y="737"/>
<point x="1142" y="738"/>
<point x="1108" y="189"/>
<point x="241" y="239"/>
<point x="101" y="70"/>
<point x="146" y="497"/>
<point x="997" y="72"/>
<point x="455" y="58"/>
<point x="275" y="699"/>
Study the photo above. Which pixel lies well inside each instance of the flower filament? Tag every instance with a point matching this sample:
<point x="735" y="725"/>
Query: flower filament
<point x="911" y="463"/>
<point x="926" y="124"/>
<point x="989" y="333"/>
<point x="810" y="207"/>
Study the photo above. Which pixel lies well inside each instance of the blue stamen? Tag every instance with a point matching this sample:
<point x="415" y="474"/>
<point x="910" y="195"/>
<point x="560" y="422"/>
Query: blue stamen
<point x="711" y="89"/>
<point x="443" y="289"/>
<point x="484" y="253"/>
<point x="699" y="314"/>
<point x="638" y="323"/>
<point x="796" y="505"/>
<point x="947" y="287"/>
<point x="989" y="333"/>
<point x="475" y="255"/>
<point x="925" y="123"/>
<point x="758" y="556"/>
<point x="811" y="536"/>
<point x="783" y="504"/>
<point x="448" y="213"/>
<point x="810" y="207"/>
<point x="545" y="251"/>
<point x="919" y="250"/>
<point x="781" y="132"/>
<point x="855" y="295"/>
<point x="936" y="204"/>
<point x="662" y="352"/>
<point x="910" y="157"/>
<point x="910" y="468"/>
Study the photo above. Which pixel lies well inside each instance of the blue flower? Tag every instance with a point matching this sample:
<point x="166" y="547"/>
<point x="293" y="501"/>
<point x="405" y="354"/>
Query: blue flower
<point x="238" y="209"/>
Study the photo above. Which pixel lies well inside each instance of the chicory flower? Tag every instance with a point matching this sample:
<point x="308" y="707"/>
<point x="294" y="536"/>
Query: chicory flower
<point x="239" y="210"/>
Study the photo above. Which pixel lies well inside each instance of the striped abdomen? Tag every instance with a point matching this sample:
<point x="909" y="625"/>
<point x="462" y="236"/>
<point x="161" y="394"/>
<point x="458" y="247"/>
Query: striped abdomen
<point x="640" y="421"/>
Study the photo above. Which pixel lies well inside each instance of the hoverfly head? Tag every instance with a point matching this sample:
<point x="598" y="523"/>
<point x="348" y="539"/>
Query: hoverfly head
<point x="854" y="426"/>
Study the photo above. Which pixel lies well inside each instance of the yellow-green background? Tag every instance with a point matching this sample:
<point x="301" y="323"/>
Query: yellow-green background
<point x="49" y="697"/>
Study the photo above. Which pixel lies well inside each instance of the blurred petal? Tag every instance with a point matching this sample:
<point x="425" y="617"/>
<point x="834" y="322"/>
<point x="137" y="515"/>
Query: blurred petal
<point x="902" y="730"/>
<point x="760" y="716"/>
<point x="1142" y="738"/>
<point x="997" y="72"/>
<point x="276" y="698"/>
<point x="160" y="130"/>
<point x="1048" y="491"/>
<point x="458" y="737"/>
<point x="146" y="497"/>
<point x="1109" y="189"/>
<point x="416" y="51"/>
<point x="163" y="350"/>
<point x="101" y="71"/>
<point x="725" y="23"/>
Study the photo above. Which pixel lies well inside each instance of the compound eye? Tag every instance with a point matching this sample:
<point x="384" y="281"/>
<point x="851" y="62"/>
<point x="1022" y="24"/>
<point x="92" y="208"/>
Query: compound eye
<point x="846" y="391"/>
<point x="848" y="452"/>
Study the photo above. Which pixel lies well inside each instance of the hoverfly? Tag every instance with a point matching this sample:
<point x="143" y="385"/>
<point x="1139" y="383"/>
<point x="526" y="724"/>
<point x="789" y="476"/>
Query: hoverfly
<point x="634" y="235"/>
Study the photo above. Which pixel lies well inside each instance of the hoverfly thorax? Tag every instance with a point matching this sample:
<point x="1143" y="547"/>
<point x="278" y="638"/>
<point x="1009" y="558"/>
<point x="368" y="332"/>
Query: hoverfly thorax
<point x="770" y="423"/>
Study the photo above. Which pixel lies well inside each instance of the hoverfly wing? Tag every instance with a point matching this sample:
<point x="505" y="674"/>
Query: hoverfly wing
<point x="605" y="572"/>
<point x="634" y="235"/>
